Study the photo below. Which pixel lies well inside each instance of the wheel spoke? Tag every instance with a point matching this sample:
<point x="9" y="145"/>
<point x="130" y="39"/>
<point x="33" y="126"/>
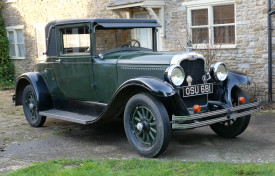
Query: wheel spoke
<point x="137" y="119"/>
<point x="153" y="124"/>
<point x="153" y="130"/>
<point x="151" y="118"/>
<point x="143" y="136"/>
<point x="143" y="113"/>
<point x="141" y="117"/>
<point x="139" y="133"/>
<point x="151" y="135"/>
<point x="147" y="114"/>
<point x="148" y="138"/>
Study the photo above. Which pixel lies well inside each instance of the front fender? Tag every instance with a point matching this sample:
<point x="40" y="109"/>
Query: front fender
<point x="232" y="80"/>
<point x="156" y="87"/>
<point x="43" y="95"/>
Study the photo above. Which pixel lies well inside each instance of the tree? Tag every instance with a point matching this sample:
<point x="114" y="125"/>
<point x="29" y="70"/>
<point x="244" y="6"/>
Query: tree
<point x="6" y="64"/>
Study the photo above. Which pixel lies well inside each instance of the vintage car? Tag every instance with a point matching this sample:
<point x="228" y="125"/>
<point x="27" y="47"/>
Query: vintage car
<point x="105" y="68"/>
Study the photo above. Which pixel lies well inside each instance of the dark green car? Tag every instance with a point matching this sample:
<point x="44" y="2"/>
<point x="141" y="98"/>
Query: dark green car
<point x="105" y="68"/>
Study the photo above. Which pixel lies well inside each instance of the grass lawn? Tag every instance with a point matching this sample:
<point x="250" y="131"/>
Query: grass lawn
<point x="144" y="167"/>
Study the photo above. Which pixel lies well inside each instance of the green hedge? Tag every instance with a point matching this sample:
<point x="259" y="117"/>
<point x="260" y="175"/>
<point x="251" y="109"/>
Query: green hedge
<point x="6" y="66"/>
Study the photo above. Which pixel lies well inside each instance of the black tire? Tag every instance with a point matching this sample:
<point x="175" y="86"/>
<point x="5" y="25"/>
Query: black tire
<point x="30" y="107"/>
<point x="147" y="105"/>
<point x="233" y="128"/>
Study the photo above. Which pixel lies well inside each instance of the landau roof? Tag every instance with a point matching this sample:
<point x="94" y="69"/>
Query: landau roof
<point x="102" y="23"/>
<point x="110" y="23"/>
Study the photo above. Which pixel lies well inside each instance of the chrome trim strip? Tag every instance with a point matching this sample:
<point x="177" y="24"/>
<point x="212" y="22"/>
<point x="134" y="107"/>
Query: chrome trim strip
<point x="177" y="59"/>
<point x="213" y="113"/>
<point x="213" y="121"/>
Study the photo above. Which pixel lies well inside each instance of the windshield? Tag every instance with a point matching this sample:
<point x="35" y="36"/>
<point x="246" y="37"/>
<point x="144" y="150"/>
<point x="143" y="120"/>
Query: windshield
<point x="109" y="39"/>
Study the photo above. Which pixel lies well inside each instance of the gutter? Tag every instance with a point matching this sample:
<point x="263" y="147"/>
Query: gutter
<point x="270" y="13"/>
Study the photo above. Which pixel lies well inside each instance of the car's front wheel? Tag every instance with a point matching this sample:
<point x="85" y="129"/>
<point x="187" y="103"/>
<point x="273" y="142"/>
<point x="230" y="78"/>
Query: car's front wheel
<point x="147" y="125"/>
<point x="30" y="107"/>
<point x="235" y="127"/>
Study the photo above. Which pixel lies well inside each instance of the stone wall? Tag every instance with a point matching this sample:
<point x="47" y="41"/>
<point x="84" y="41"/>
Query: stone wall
<point x="31" y="12"/>
<point x="249" y="56"/>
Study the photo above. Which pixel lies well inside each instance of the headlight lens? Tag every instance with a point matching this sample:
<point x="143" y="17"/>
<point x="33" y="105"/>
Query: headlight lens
<point x="175" y="75"/>
<point x="219" y="71"/>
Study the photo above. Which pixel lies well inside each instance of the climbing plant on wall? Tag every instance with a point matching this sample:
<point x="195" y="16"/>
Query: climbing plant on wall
<point x="6" y="64"/>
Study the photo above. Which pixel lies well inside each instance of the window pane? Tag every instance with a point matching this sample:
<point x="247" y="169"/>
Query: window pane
<point x="199" y="17"/>
<point x="108" y="39"/>
<point x="40" y="40"/>
<point x="200" y="35"/>
<point x="224" y="35"/>
<point x="76" y="40"/>
<point x="12" y="50"/>
<point x="19" y="35"/>
<point x="224" y="14"/>
<point x="11" y="36"/>
<point x="21" y="52"/>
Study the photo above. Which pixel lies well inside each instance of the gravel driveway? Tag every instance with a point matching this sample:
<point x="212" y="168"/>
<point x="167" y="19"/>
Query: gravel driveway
<point x="21" y="144"/>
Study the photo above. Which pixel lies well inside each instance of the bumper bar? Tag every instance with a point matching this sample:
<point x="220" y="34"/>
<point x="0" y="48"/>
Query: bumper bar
<point x="181" y="122"/>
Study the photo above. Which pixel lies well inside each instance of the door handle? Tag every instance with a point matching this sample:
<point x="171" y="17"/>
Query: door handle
<point x="58" y="60"/>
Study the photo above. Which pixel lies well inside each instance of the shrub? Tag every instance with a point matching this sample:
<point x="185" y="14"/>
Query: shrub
<point x="6" y="65"/>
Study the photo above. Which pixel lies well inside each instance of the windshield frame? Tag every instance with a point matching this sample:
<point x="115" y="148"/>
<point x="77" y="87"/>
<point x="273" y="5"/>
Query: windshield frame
<point x="93" y="41"/>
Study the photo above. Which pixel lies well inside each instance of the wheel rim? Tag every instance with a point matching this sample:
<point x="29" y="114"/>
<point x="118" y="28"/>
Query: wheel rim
<point x="144" y="125"/>
<point x="31" y="105"/>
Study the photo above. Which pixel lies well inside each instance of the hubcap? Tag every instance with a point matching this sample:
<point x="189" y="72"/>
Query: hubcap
<point x="31" y="106"/>
<point x="144" y="125"/>
<point x="139" y="126"/>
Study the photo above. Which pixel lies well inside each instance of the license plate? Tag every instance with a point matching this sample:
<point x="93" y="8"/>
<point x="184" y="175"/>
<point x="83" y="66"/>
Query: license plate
<point x="198" y="89"/>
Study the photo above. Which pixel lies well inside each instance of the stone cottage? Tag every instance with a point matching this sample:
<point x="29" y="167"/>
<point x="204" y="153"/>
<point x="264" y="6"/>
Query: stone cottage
<point x="232" y="31"/>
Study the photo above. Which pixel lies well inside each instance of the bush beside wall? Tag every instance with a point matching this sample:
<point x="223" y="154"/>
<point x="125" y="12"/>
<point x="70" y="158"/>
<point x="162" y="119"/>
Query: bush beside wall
<point x="6" y="64"/>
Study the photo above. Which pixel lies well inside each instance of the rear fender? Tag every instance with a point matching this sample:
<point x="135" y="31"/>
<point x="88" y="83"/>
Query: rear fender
<point x="43" y="95"/>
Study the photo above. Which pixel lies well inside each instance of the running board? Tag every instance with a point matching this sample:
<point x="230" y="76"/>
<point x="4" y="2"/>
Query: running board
<point x="68" y="116"/>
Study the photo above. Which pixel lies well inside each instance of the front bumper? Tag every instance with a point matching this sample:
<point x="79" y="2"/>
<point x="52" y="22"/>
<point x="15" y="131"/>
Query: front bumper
<point x="212" y="117"/>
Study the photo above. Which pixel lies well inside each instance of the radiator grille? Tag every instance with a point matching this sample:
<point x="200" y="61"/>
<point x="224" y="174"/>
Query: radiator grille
<point x="196" y="69"/>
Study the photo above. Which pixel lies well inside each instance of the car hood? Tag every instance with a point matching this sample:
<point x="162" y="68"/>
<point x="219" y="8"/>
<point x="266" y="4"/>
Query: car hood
<point x="146" y="58"/>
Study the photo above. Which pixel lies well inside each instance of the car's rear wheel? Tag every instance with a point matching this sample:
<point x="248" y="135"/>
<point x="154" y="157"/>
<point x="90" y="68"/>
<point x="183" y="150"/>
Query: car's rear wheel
<point x="30" y="107"/>
<point x="233" y="128"/>
<point x="147" y="125"/>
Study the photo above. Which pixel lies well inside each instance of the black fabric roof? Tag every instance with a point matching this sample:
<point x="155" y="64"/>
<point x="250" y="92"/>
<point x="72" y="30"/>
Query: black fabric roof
<point x="110" y="23"/>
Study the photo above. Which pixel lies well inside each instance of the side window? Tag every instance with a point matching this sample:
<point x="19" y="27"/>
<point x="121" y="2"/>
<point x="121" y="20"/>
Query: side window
<point x="143" y="35"/>
<point x="75" y="40"/>
<point x="40" y="40"/>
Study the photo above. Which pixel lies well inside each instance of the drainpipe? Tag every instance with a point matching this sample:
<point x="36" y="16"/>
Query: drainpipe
<point x="270" y="52"/>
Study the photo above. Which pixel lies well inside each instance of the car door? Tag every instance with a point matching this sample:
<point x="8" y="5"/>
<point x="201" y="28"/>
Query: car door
<point x="73" y="66"/>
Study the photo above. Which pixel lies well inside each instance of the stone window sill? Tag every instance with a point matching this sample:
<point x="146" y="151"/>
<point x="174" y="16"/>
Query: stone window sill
<point x="223" y="46"/>
<point x="11" y="1"/>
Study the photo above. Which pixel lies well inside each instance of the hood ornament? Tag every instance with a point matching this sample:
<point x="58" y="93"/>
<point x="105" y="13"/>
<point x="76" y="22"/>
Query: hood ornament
<point x="204" y="79"/>
<point x="189" y="46"/>
<point x="189" y="80"/>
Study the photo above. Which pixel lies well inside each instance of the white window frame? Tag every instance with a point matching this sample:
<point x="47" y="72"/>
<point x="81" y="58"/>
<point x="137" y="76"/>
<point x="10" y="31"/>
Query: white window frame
<point x="13" y="29"/>
<point x="40" y="26"/>
<point x="159" y="39"/>
<point x="209" y="4"/>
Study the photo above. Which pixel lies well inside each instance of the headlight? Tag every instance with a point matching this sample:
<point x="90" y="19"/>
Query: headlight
<point x="175" y="75"/>
<point x="219" y="71"/>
